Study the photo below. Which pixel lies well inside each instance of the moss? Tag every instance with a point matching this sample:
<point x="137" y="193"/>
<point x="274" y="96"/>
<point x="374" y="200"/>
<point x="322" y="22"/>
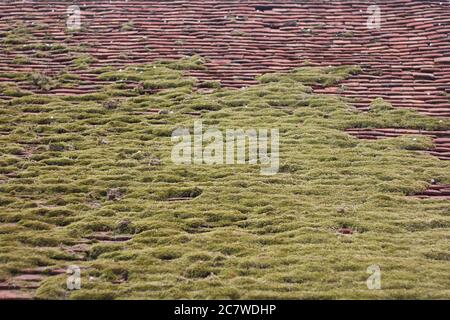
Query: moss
<point x="127" y="26"/>
<point x="21" y="60"/>
<point x="82" y="61"/>
<point x="67" y="79"/>
<point x="238" y="234"/>
<point x="12" y="39"/>
<point x="180" y="193"/>
<point x="97" y="250"/>
<point x="40" y="81"/>
<point x="166" y="84"/>
<point x="210" y="84"/>
<point x="167" y="253"/>
<point x="13" y="90"/>
<point x="345" y="34"/>
<point x="194" y="62"/>
<point x="42" y="54"/>
<point x="379" y="104"/>
<point x="198" y="270"/>
<point x="12" y="75"/>
<point x="87" y="97"/>
<point x="31" y="100"/>
<point x="325" y="76"/>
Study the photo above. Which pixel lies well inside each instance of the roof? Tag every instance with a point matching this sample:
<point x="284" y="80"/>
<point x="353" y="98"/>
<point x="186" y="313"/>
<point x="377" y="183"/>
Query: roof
<point x="406" y="61"/>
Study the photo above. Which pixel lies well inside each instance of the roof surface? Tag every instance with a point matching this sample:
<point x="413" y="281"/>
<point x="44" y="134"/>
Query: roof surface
<point x="405" y="61"/>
